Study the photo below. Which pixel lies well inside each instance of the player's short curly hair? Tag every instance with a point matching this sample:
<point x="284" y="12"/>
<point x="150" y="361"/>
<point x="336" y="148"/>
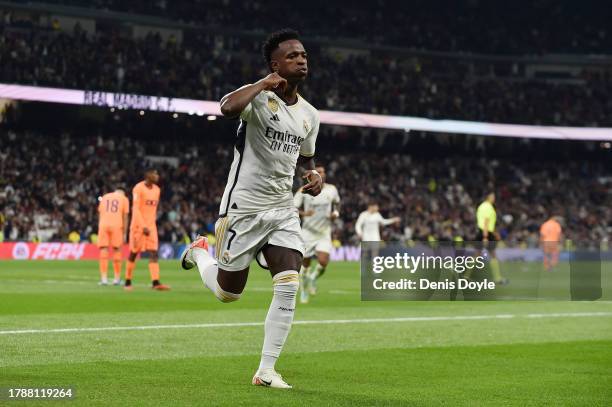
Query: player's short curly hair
<point x="271" y="43"/>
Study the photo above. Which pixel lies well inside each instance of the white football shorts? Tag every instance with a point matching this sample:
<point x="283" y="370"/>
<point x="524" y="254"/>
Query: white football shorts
<point x="241" y="237"/>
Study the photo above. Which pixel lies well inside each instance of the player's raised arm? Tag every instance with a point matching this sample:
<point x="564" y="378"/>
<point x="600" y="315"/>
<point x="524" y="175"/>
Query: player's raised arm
<point x="235" y="102"/>
<point x="389" y="221"/>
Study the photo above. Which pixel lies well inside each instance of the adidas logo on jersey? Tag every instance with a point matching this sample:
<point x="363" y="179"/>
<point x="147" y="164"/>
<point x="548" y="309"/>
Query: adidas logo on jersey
<point x="275" y="118"/>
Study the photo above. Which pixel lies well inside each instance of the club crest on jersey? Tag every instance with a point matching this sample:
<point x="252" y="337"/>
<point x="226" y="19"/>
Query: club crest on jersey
<point x="273" y="105"/>
<point x="226" y="257"/>
<point x="306" y="126"/>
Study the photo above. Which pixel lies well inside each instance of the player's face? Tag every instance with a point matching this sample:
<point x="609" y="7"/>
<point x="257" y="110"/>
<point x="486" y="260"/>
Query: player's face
<point x="153" y="177"/>
<point x="289" y="60"/>
<point x="321" y="172"/>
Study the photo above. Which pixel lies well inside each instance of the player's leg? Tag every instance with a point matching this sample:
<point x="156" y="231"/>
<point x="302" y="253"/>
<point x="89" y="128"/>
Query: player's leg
<point x="116" y="242"/>
<point x="322" y="249"/>
<point x="154" y="272"/>
<point x="284" y="254"/>
<point x="129" y="268"/>
<point x="103" y="265"/>
<point x="304" y="295"/>
<point x="554" y="255"/>
<point x="323" y="259"/>
<point x="545" y="256"/>
<point x="103" y="243"/>
<point x="284" y="264"/>
<point x="310" y="244"/>
<point x="317" y="272"/>
<point x="495" y="267"/>
<point x="151" y="246"/>
<point x="135" y="243"/>
<point x="228" y="279"/>
<point x="117" y="259"/>
<point x="305" y="265"/>
<point x="226" y="285"/>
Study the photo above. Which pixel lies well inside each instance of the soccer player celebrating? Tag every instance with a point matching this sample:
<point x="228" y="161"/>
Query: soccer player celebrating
<point x="318" y="213"/>
<point x="550" y="238"/>
<point x="112" y="227"/>
<point x="277" y="131"/>
<point x="368" y="226"/>
<point x="369" y="222"/>
<point x="486" y="217"/>
<point x="143" y="229"/>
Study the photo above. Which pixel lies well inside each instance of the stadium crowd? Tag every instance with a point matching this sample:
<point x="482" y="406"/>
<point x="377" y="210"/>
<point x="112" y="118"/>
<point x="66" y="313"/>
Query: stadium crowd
<point x="49" y="183"/>
<point x="49" y="186"/>
<point x="206" y="66"/>
<point x="543" y="26"/>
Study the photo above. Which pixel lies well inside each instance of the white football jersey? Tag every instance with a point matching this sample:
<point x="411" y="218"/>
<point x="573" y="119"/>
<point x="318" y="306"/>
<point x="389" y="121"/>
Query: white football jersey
<point x="319" y="223"/>
<point x="271" y="136"/>
<point x="368" y="226"/>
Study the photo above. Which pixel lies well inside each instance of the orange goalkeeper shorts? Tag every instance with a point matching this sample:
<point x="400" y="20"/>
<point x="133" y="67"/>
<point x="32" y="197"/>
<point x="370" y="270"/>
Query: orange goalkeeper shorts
<point x="110" y="236"/>
<point x="141" y="243"/>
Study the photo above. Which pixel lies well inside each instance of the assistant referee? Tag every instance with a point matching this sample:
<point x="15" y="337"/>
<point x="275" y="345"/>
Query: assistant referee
<point x="486" y="217"/>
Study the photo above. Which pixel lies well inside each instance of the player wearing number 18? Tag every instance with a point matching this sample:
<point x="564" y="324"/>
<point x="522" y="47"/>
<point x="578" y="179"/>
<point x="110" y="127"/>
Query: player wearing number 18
<point x="112" y="227"/>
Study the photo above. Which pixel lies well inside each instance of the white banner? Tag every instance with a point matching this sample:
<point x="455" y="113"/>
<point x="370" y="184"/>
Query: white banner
<point x="206" y="107"/>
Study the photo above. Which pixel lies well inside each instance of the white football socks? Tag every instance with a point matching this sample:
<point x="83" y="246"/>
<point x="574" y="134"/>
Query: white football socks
<point x="208" y="268"/>
<point x="318" y="270"/>
<point x="280" y="317"/>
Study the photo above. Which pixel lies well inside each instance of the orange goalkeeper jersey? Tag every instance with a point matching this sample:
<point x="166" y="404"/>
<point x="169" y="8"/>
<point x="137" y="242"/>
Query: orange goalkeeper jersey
<point x="550" y="231"/>
<point x="144" y="205"/>
<point x="112" y="207"/>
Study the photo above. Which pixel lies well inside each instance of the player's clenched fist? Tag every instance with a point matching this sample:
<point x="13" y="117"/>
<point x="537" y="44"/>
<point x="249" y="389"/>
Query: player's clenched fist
<point x="274" y="81"/>
<point x="315" y="183"/>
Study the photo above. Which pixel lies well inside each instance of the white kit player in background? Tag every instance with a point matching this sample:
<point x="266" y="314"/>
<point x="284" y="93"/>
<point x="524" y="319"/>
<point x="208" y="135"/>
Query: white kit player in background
<point x="318" y="214"/>
<point x="368" y="227"/>
<point x="277" y="133"/>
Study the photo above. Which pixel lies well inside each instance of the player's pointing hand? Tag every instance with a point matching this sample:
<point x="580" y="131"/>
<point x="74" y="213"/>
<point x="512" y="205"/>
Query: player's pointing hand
<point x="274" y="81"/>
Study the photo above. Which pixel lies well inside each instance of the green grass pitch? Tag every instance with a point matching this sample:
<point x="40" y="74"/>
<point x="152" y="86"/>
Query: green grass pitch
<point x="562" y="357"/>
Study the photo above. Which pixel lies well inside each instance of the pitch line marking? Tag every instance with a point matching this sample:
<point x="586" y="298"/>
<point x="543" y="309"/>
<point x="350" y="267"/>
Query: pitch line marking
<point x="311" y="322"/>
